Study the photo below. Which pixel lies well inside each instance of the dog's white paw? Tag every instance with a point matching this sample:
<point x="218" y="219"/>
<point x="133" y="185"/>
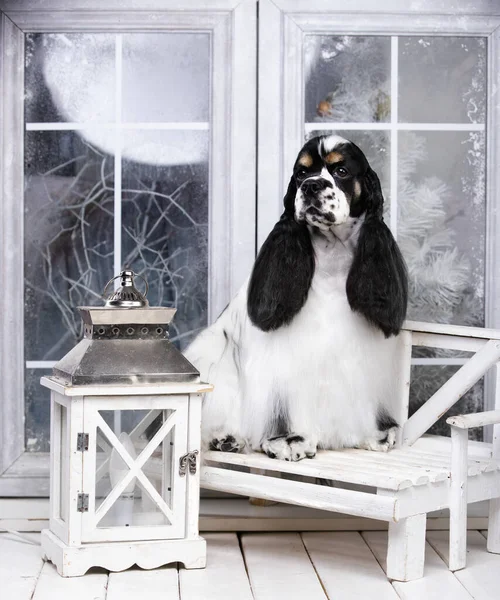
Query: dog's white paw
<point x="292" y="447"/>
<point x="382" y="443"/>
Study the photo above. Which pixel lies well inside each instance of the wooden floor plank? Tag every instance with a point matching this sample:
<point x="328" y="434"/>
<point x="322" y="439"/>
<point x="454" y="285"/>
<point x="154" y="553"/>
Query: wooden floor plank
<point x="20" y="566"/>
<point x="225" y="577"/>
<point x="481" y="576"/>
<point x="346" y="565"/>
<point x="438" y="583"/>
<point x="279" y="567"/>
<point x="51" y="586"/>
<point x="158" y="584"/>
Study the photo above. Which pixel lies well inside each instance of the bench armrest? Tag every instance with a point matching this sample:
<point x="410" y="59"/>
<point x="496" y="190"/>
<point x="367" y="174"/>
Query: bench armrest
<point x="490" y="417"/>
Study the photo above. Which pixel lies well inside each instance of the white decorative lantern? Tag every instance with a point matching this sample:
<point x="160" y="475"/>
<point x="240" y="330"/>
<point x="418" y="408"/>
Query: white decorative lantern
<point x="125" y="440"/>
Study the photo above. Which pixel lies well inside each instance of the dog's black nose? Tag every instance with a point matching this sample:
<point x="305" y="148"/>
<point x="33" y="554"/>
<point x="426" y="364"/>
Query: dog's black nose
<point x="314" y="186"/>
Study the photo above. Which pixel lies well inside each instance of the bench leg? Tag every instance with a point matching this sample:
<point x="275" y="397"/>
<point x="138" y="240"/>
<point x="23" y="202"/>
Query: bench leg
<point x="458" y="499"/>
<point x="493" y="544"/>
<point x="406" y="549"/>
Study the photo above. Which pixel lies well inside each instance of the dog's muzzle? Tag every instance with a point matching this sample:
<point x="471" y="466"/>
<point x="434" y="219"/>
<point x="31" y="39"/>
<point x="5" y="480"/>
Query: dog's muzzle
<point x="312" y="187"/>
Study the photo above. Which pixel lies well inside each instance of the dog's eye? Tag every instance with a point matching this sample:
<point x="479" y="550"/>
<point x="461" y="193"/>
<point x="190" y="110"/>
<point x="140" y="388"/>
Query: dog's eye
<point x="342" y="172"/>
<point x="301" y="173"/>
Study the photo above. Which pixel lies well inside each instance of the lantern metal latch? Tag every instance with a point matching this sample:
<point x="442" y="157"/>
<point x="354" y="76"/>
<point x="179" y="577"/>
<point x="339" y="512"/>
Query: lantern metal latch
<point x="188" y="459"/>
<point x="82" y="503"/>
<point x="82" y="442"/>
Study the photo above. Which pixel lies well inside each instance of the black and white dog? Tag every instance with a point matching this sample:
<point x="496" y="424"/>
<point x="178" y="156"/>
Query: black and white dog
<point x="301" y="358"/>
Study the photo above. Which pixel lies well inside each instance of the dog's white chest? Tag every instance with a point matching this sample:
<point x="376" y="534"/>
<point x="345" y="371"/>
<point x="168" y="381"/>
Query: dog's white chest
<point x="332" y="366"/>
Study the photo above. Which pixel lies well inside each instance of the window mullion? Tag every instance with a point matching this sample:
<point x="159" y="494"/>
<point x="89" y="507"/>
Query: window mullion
<point x="394" y="137"/>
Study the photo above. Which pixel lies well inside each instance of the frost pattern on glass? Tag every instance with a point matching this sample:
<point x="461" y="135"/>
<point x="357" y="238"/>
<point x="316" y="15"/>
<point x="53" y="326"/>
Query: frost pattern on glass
<point x="68" y="247"/>
<point x="441" y="224"/>
<point x="37" y="411"/>
<point x="166" y="77"/>
<point x="426" y="380"/>
<point x="347" y="78"/>
<point x="69" y="238"/>
<point x="70" y="77"/>
<point x="442" y="79"/>
<point x="165" y="230"/>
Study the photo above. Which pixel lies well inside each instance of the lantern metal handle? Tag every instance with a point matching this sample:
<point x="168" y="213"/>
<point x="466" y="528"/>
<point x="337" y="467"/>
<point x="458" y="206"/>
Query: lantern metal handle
<point x="120" y="275"/>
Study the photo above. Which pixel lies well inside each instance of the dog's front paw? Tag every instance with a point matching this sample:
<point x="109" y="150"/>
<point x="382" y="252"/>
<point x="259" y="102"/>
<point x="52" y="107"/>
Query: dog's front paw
<point x="383" y="443"/>
<point x="228" y="443"/>
<point x="291" y="447"/>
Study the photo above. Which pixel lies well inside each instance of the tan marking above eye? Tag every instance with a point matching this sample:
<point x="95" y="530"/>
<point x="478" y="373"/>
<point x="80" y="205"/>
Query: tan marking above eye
<point x="357" y="189"/>
<point x="305" y="160"/>
<point x="333" y="157"/>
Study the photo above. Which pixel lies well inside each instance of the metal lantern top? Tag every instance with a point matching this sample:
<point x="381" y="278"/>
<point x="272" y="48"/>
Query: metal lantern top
<point x="127" y="295"/>
<point x="125" y="342"/>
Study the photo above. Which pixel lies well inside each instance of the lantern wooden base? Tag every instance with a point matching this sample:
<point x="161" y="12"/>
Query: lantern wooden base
<point x="72" y="561"/>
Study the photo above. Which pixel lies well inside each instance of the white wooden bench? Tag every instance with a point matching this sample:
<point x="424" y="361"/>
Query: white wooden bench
<point x="423" y="473"/>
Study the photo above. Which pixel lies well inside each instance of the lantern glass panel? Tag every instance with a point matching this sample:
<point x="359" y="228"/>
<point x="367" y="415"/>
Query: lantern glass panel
<point x="123" y="438"/>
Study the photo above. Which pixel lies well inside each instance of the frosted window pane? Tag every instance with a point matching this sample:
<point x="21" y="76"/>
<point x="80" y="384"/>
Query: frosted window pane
<point x="70" y="77"/>
<point x="442" y="79"/>
<point x="166" y="77"/>
<point x="37" y="411"/>
<point x="68" y="248"/>
<point x="165" y="224"/>
<point x="441" y="224"/>
<point x="347" y="78"/>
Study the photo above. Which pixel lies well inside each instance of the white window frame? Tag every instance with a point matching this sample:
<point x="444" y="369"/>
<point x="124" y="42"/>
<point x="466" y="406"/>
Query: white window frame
<point x="232" y="25"/>
<point x="283" y="24"/>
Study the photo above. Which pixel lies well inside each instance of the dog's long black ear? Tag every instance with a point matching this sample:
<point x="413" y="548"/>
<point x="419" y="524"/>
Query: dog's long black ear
<point x="282" y="272"/>
<point x="377" y="284"/>
<point x="289" y="199"/>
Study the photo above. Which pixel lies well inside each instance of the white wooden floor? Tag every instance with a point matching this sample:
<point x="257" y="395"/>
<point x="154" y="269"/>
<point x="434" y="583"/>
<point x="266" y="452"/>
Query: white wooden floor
<point x="263" y="566"/>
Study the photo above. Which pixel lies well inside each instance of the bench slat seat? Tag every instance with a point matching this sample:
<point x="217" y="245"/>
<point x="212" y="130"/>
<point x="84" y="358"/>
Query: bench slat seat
<point x="396" y="470"/>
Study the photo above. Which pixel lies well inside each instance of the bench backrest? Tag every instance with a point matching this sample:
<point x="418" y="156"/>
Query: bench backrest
<point x="485" y="343"/>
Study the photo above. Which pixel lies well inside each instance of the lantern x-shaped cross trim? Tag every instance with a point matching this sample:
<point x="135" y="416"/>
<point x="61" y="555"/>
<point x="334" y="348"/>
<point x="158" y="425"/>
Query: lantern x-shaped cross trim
<point x="135" y="467"/>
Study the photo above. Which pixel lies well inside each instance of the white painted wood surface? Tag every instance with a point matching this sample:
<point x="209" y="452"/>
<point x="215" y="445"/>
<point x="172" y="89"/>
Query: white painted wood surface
<point x="481" y="577"/>
<point x="11" y="243"/>
<point x="451" y="391"/>
<point x="296" y="492"/>
<point x="345" y="566"/>
<point x="75" y="561"/>
<point x="51" y="585"/>
<point x="340" y="565"/>
<point x="458" y="498"/>
<point x="406" y="549"/>
<point x="20" y="566"/>
<point x="489" y="417"/>
<point x="493" y="543"/>
<point x="123" y="390"/>
<point x="451" y="342"/>
<point x="159" y="584"/>
<point x="395" y="470"/>
<point x="279" y="567"/>
<point x="438" y="583"/>
<point x="448" y="329"/>
<point x="224" y="578"/>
